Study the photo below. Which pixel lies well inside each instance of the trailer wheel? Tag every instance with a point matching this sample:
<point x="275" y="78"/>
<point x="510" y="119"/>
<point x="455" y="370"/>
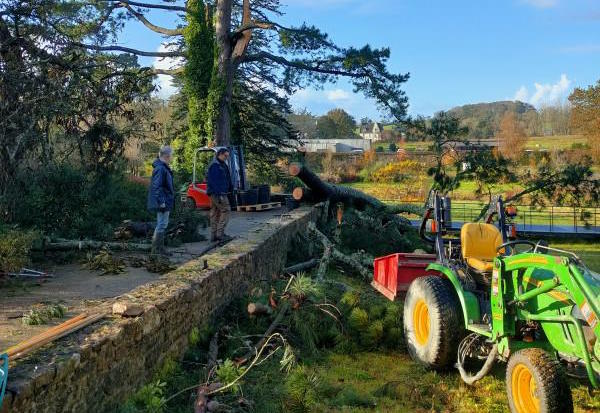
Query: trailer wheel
<point x="433" y="322"/>
<point x="536" y="383"/>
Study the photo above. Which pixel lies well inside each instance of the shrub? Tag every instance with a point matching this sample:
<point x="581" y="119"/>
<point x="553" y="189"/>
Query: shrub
<point x="64" y="201"/>
<point x="15" y="248"/>
<point x="396" y="171"/>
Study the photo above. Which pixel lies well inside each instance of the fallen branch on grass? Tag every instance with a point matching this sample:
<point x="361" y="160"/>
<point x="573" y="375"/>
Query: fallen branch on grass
<point x="201" y="403"/>
<point x="212" y="389"/>
<point x="67" y="245"/>
<point x="302" y="266"/>
<point x="355" y="261"/>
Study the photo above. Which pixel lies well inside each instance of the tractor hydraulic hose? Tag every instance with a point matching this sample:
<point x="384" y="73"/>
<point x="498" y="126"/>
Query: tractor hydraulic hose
<point x="487" y="366"/>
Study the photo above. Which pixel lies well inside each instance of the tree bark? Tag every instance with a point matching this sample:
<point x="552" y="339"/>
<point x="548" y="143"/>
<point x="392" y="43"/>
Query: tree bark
<point x="224" y="72"/>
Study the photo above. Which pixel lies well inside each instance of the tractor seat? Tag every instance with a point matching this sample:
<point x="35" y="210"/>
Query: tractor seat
<point x="478" y="244"/>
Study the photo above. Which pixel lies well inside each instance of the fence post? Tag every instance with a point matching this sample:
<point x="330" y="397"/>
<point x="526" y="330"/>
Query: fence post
<point x="552" y="218"/>
<point x="574" y="219"/>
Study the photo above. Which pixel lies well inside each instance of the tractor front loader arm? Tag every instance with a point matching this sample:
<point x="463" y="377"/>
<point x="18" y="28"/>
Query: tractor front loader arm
<point x="552" y="300"/>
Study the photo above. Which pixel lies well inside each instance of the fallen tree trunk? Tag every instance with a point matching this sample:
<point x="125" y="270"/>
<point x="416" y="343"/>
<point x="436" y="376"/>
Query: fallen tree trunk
<point x="67" y="245"/>
<point x="321" y="191"/>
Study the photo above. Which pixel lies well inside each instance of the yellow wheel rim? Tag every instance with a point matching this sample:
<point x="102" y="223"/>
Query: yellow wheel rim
<point x="524" y="390"/>
<point x="421" y="321"/>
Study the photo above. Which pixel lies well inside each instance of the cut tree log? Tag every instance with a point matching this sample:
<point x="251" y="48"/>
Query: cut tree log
<point x="303" y="194"/>
<point x="258" y="309"/>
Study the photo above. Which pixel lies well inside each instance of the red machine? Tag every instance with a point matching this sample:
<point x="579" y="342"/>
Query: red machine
<point x="195" y="196"/>
<point x="394" y="273"/>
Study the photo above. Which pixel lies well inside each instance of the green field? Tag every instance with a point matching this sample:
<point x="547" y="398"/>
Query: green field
<point x="554" y="142"/>
<point x="533" y="142"/>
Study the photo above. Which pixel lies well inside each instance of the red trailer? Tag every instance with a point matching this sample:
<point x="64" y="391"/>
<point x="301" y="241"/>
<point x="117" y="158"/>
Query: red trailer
<point x="393" y="273"/>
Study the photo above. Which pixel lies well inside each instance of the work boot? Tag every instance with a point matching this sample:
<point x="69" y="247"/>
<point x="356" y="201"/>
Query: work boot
<point x="224" y="238"/>
<point x="155" y="249"/>
<point x="162" y="250"/>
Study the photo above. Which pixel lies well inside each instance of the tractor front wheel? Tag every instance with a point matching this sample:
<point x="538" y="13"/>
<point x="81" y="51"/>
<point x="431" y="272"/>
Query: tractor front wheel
<point x="433" y="322"/>
<point x="536" y="383"/>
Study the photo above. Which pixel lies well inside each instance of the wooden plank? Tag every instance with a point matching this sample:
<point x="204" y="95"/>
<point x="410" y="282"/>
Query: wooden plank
<point x="258" y="207"/>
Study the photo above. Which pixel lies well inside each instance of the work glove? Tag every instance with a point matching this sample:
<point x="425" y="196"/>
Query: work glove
<point x="162" y="207"/>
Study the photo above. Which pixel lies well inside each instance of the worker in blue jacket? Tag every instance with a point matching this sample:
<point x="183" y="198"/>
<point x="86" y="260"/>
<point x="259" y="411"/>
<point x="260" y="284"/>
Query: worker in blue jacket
<point x="161" y="197"/>
<point x="219" y="187"/>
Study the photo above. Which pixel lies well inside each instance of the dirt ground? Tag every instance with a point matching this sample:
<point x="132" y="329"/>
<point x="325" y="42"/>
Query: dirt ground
<point x="78" y="288"/>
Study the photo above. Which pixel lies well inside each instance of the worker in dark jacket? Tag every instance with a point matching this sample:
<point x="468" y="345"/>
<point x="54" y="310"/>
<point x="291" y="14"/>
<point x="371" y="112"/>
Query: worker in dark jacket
<point x="219" y="186"/>
<point x="161" y="197"/>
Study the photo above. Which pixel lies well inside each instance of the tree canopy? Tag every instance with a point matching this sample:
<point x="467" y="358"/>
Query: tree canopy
<point x="254" y="55"/>
<point x="58" y="101"/>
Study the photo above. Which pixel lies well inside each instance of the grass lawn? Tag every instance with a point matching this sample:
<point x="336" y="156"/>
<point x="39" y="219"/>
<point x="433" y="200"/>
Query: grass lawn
<point x="588" y="251"/>
<point x="554" y="142"/>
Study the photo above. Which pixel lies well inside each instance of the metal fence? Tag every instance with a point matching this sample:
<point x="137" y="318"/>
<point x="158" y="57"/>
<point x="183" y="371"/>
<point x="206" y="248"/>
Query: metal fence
<point x="550" y="219"/>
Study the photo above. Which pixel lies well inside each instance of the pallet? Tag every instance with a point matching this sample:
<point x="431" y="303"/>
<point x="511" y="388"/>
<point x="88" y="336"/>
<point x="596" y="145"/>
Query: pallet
<point x="258" y="207"/>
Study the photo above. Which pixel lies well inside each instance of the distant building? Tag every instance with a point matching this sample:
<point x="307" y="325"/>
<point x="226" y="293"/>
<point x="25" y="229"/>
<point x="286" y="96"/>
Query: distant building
<point x="335" y="145"/>
<point x="371" y="131"/>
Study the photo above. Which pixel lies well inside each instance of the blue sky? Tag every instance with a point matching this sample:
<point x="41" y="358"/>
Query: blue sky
<point x="457" y="52"/>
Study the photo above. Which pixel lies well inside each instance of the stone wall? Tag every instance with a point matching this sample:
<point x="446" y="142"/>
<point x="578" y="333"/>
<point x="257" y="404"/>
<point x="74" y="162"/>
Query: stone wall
<point x="98" y="368"/>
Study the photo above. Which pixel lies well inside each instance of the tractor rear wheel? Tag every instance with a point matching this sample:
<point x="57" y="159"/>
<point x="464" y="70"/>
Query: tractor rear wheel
<point x="433" y="322"/>
<point x="536" y="383"/>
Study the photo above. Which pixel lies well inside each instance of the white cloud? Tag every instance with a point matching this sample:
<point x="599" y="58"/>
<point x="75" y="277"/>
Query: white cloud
<point x="164" y="82"/>
<point x="321" y="101"/>
<point x="337" y="94"/>
<point x="522" y="94"/>
<point x="545" y="93"/>
<point x="542" y="4"/>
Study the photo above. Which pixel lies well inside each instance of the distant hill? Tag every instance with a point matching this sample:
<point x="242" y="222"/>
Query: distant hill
<point x="483" y="119"/>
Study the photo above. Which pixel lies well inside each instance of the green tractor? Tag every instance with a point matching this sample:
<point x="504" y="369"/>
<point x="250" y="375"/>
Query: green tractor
<point x="534" y="307"/>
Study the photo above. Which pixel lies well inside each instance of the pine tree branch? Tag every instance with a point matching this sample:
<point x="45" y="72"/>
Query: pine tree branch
<point x="148" y="24"/>
<point x="170" y="72"/>
<point x="137" y="52"/>
<point x="251" y="26"/>
<point x="313" y="66"/>
<point x="148" y="5"/>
